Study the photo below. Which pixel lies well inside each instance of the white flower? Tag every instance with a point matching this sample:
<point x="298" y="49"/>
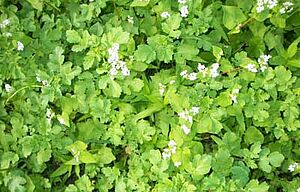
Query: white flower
<point x="235" y="91"/>
<point x="195" y="110"/>
<point x="259" y="9"/>
<point x="61" y="120"/>
<point x="286" y="7"/>
<point x="177" y="163"/>
<point x="184" y="11"/>
<point x="172" y="143"/>
<point x="292" y="167"/>
<point x="184" y="74"/>
<point x="8" y="88"/>
<point x="298" y="190"/>
<point x="49" y="115"/>
<point x="192" y="76"/>
<point x="252" y="68"/>
<point x="125" y="71"/>
<point x="263" y="68"/>
<point x="165" y="14"/>
<point x="233" y="98"/>
<point x="20" y="46"/>
<point x="4" y="23"/>
<point x="161" y="89"/>
<point x="91" y="0"/>
<point x="113" y="71"/>
<point x="214" y="70"/>
<point x="201" y="67"/>
<point x="166" y="154"/>
<point x="172" y="82"/>
<point x="272" y="4"/>
<point x="185" y="129"/>
<point x="182" y="1"/>
<point x="130" y="19"/>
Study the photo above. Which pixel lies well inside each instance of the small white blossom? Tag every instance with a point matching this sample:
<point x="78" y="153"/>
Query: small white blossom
<point x="184" y="11"/>
<point x="130" y="19"/>
<point x="298" y="190"/>
<point x="172" y="143"/>
<point x="184" y="74"/>
<point x="185" y="129"/>
<point x="201" y="67"/>
<point x="172" y="82"/>
<point x="61" y="120"/>
<point x="49" y="115"/>
<point x="161" y="89"/>
<point x="20" y="46"/>
<point x="233" y="98"/>
<point x="182" y="1"/>
<point x="214" y="70"/>
<point x="177" y="163"/>
<point x="8" y="88"/>
<point x="252" y="68"/>
<point x="195" y="110"/>
<point x="113" y="71"/>
<point x="292" y="167"/>
<point x="165" y="14"/>
<point x="286" y="7"/>
<point x="272" y="4"/>
<point x="166" y="154"/>
<point x="45" y="83"/>
<point x="4" y="23"/>
<point x="263" y="68"/>
<point x="192" y="76"/>
<point x="125" y="71"/>
<point x="235" y="91"/>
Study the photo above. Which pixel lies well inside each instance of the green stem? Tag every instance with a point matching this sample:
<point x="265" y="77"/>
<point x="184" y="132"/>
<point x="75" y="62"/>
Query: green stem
<point x="17" y="91"/>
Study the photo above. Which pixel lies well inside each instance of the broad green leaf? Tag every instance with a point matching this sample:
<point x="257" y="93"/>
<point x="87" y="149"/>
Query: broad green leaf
<point x="202" y="165"/>
<point x="105" y="155"/>
<point x="16" y="184"/>
<point x="43" y="156"/>
<point x="73" y="36"/>
<point x="232" y="16"/>
<point x="255" y="186"/>
<point x="139" y="3"/>
<point x="61" y="170"/>
<point x="115" y="89"/>
<point x="291" y="51"/>
<point x="145" y="53"/>
<point x="37" y="4"/>
<point x="253" y="135"/>
<point x="240" y="175"/>
<point x="86" y="157"/>
<point x="276" y="158"/>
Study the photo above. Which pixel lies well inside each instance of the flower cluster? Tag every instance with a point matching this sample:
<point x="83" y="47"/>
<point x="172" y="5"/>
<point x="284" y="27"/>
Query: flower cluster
<point x="192" y="76"/>
<point x="293" y="166"/>
<point x="233" y="95"/>
<point x="171" y="149"/>
<point x="214" y="70"/>
<point x="184" y="9"/>
<point x="188" y="116"/>
<point x="8" y="88"/>
<point x="286" y="7"/>
<point x="251" y="67"/>
<point x="130" y="19"/>
<point x="116" y="64"/>
<point x="44" y="82"/>
<point x="20" y="46"/>
<point x="165" y="14"/>
<point x="49" y="116"/>
<point x="4" y="23"/>
<point x="263" y="61"/>
<point x="161" y="89"/>
<point x="261" y="4"/>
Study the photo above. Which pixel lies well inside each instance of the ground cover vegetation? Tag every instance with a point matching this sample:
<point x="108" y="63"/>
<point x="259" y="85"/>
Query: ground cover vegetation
<point x="149" y="95"/>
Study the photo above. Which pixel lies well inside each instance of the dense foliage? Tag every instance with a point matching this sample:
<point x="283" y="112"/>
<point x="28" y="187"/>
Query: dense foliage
<point x="149" y="95"/>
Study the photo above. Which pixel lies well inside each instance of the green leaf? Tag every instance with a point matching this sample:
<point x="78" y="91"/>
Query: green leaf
<point x="276" y="158"/>
<point x="105" y="155"/>
<point x="294" y="63"/>
<point x="171" y="25"/>
<point x="37" y="4"/>
<point x="139" y="3"/>
<point x="264" y="165"/>
<point x="240" y="175"/>
<point x="43" y="156"/>
<point x="254" y="186"/>
<point x="145" y="53"/>
<point x="86" y="157"/>
<point x="115" y="89"/>
<point x="61" y="170"/>
<point x="232" y="16"/>
<point x="16" y="184"/>
<point x="291" y="51"/>
<point x="202" y="165"/>
<point x="253" y="135"/>
<point x="217" y="52"/>
<point x="73" y="36"/>
<point x="209" y="124"/>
